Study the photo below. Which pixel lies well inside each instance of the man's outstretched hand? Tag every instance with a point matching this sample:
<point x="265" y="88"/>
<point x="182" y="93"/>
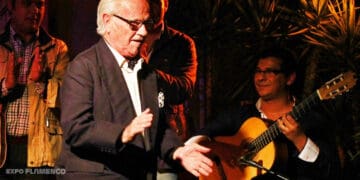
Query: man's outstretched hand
<point x="192" y="157"/>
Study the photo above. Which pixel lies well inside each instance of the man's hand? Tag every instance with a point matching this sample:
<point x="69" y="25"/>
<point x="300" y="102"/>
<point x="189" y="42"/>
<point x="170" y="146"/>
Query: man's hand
<point x="137" y="126"/>
<point x="291" y="129"/>
<point x="36" y="66"/>
<point x="192" y="158"/>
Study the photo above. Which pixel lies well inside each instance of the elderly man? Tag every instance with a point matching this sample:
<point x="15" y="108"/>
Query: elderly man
<point x="113" y="119"/>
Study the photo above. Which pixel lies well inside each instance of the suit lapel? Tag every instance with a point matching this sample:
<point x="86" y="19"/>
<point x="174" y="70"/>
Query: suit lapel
<point x="114" y="84"/>
<point x="118" y="94"/>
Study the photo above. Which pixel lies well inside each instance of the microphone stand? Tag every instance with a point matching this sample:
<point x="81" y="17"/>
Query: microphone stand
<point x="243" y="161"/>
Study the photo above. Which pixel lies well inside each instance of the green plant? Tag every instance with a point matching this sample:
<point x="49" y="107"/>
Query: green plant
<point x="334" y="29"/>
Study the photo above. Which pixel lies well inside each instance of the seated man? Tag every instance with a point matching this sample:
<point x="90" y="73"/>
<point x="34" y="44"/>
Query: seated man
<point x="309" y="141"/>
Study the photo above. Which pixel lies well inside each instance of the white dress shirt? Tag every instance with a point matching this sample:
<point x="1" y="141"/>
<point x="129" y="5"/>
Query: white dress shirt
<point x="131" y="79"/>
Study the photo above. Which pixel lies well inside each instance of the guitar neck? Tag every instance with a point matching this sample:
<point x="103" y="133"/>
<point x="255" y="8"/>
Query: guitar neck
<point x="273" y="131"/>
<point x="305" y="106"/>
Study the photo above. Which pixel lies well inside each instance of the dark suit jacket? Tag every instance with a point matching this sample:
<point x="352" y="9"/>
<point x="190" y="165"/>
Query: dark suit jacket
<point x="96" y="107"/>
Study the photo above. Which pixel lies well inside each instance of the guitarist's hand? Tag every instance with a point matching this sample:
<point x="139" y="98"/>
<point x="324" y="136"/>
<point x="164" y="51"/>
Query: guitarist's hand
<point x="291" y="129"/>
<point x="192" y="158"/>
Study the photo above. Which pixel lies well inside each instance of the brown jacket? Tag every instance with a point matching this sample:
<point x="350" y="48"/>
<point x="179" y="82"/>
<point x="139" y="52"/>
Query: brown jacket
<point x="175" y="59"/>
<point x="45" y="133"/>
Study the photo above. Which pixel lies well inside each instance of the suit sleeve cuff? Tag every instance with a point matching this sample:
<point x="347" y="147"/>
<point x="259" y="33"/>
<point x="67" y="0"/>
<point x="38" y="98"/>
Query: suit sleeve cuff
<point x="197" y="139"/>
<point x="310" y="152"/>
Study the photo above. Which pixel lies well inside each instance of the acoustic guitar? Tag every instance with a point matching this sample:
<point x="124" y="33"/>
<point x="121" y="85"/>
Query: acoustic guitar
<point x="252" y="151"/>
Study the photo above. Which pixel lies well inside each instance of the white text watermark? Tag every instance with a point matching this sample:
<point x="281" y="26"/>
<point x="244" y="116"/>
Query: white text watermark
<point x="35" y="171"/>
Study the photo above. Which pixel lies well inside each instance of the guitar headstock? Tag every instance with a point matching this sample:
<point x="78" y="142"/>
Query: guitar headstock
<point x="338" y="85"/>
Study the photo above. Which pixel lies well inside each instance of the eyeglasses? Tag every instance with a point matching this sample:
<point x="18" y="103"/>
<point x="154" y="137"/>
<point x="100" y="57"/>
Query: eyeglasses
<point x="136" y="24"/>
<point x="268" y="72"/>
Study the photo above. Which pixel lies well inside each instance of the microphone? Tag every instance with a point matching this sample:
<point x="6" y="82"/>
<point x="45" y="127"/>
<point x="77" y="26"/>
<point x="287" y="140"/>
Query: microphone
<point x="146" y="137"/>
<point x="248" y="162"/>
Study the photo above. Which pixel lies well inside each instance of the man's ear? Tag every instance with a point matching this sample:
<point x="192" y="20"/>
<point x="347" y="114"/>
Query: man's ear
<point x="106" y="18"/>
<point x="291" y="79"/>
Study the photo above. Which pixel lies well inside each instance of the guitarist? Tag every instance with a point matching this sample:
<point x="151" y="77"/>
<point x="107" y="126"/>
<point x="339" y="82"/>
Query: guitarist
<point x="311" y="149"/>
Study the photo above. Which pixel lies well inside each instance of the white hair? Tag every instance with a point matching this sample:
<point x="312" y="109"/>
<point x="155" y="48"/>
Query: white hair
<point x="105" y="7"/>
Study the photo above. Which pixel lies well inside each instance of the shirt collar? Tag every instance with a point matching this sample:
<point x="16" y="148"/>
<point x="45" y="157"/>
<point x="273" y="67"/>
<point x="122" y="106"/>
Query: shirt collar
<point x="122" y="61"/>
<point x="15" y="35"/>
<point x="258" y="106"/>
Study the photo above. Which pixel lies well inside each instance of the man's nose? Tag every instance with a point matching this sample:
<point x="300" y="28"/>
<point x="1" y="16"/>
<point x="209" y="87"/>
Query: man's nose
<point x="143" y="31"/>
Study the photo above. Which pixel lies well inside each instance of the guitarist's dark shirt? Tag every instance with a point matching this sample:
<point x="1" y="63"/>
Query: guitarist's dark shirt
<point x="316" y="126"/>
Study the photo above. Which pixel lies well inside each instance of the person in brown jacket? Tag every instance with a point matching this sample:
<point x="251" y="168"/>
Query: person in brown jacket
<point x="32" y="64"/>
<point x="173" y="54"/>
